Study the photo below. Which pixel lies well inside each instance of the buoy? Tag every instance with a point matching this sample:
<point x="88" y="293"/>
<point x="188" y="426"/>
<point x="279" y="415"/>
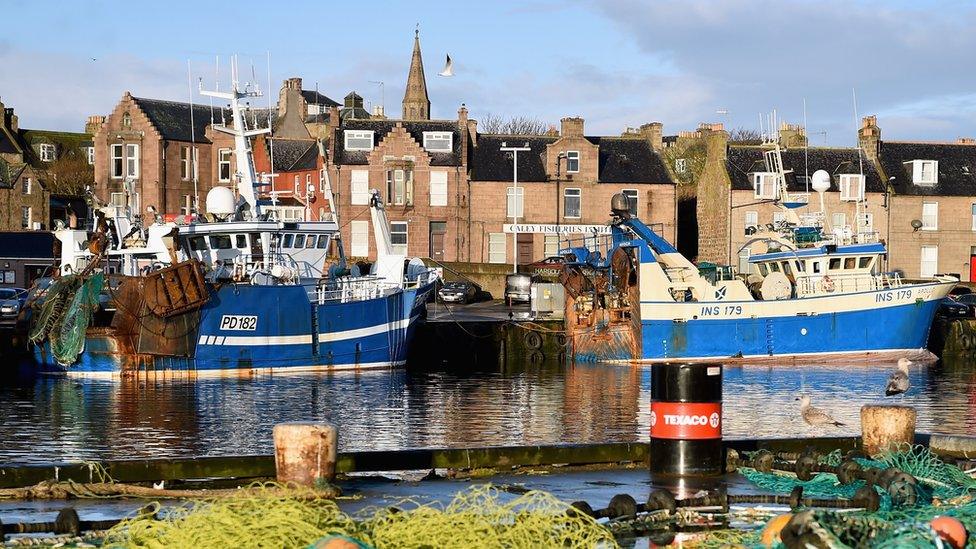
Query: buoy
<point x="950" y="530"/>
<point x="305" y="452"/>
<point x="770" y="532"/>
<point x="686" y="420"/>
<point x="885" y="428"/>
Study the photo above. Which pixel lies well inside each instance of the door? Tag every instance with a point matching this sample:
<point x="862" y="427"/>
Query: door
<point x="972" y="264"/>
<point x="438" y="234"/>
<point x="525" y="241"/>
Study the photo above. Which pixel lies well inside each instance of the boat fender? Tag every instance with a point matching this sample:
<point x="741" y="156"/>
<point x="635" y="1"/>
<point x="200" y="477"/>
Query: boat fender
<point x="965" y="342"/>
<point x="536" y="358"/>
<point x="827" y="284"/>
<point x="533" y="340"/>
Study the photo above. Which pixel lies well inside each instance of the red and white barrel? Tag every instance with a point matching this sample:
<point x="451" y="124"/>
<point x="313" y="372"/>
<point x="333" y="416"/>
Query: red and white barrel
<point x="686" y="420"/>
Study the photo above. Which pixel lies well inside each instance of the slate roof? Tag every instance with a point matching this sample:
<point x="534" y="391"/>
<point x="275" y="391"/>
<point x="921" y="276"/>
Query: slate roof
<point x="27" y="244"/>
<point x="6" y="144"/>
<point x="172" y="119"/>
<point x="622" y="160"/>
<point x="744" y="160"/>
<point x="415" y="128"/>
<point x="316" y="98"/>
<point x="65" y="143"/>
<point x="293" y="154"/>
<point x="957" y="167"/>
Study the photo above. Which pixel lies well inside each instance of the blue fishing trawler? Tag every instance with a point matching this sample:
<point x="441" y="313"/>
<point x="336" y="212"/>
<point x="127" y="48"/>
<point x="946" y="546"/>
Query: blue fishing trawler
<point x="232" y="291"/>
<point x="817" y="292"/>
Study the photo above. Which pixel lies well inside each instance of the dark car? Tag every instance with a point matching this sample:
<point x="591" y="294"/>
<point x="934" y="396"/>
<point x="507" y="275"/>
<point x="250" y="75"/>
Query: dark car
<point x="518" y="287"/>
<point x="549" y="268"/>
<point x="969" y="300"/>
<point x="12" y="300"/>
<point x="459" y="291"/>
<point x="950" y="308"/>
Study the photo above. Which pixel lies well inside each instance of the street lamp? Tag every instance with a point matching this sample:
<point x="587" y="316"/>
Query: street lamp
<point x="515" y="210"/>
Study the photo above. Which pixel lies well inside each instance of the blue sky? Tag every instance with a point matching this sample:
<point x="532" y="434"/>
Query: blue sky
<point x="617" y="63"/>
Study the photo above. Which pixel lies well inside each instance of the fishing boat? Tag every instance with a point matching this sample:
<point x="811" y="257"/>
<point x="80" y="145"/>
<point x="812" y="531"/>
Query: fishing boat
<point x="817" y="292"/>
<point x="233" y="290"/>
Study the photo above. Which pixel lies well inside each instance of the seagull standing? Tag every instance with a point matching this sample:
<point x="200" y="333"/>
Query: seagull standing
<point x="815" y="416"/>
<point x="898" y="382"/>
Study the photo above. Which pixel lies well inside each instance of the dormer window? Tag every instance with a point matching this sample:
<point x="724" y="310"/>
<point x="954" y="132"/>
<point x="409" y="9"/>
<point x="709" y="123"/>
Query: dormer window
<point x="572" y="161"/>
<point x="126" y="120"/>
<point x="358" y="140"/>
<point x="48" y="152"/>
<point x="438" y="141"/>
<point x="851" y="187"/>
<point x="764" y="185"/>
<point x="680" y="165"/>
<point x="90" y="151"/>
<point x="924" y="172"/>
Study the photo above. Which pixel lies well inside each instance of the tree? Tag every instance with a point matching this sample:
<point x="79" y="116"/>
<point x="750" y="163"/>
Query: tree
<point x="517" y="125"/>
<point x="745" y="136"/>
<point x="69" y="174"/>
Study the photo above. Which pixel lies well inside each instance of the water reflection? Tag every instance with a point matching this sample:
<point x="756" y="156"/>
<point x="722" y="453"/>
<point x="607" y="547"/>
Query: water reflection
<point x="49" y="419"/>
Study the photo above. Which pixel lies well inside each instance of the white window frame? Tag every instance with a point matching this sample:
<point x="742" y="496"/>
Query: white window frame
<point x="764" y="185"/>
<point x="571" y="157"/>
<point x="359" y="187"/>
<point x="515" y="202"/>
<point x="973" y="209"/>
<point x="434" y="138"/>
<point x="355" y="135"/>
<point x="399" y="187"/>
<point x="680" y="165"/>
<point x="496" y="248"/>
<point x="851" y="187"/>
<point x="223" y="160"/>
<point x="867" y="223"/>
<point x="185" y="163"/>
<point x="117" y="160"/>
<point x="398" y="228"/>
<point x="633" y="206"/>
<point x="751" y="220"/>
<point x="438" y="188"/>
<point x="550" y="244"/>
<point x="573" y="193"/>
<point x="91" y="155"/>
<point x="930" y="220"/>
<point x="359" y="238"/>
<point x="833" y="220"/>
<point x="49" y="153"/>
<point x="928" y="266"/>
<point x="26" y="217"/>
<point x="28" y="186"/>
<point x="132" y="160"/>
<point x="918" y="172"/>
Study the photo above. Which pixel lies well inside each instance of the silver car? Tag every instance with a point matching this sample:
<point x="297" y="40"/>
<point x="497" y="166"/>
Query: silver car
<point x="12" y="300"/>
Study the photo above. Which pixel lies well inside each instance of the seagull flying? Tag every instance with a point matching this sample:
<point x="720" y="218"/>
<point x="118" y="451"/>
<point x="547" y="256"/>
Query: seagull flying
<point x="815" y="416"/>
<point x="898" y="382"/>
<point x="448" y="67"/>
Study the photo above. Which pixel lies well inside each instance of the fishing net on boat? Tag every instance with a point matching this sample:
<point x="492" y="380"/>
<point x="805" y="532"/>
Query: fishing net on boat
<point x="52" y="309"/>
<point x="481" y="516"/>
<point x="65" y="314"/>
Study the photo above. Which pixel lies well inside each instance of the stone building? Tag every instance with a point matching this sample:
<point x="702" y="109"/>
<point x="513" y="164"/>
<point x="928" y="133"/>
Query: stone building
<point x="416" y="103"/>
<point x="565" y="183"/>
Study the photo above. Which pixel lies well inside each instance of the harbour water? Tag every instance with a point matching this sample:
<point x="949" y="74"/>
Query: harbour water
<point x="49" y="419"/>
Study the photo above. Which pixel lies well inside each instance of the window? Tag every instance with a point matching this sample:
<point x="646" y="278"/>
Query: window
<point x="439" y="141"/>
<point x="849" y="262"/>
<point x="8" y="276"/>
<point x="930" y="216"/>
<point x="516" y="199"/>
<point x="126" y="120"/>
<point x="91" y="155"/>
<point x="924" y="172"/>
<point x="360" y="238"/>
<point x="26" y="185"/>
<point x="551" y="245"/>
<point x="572" y="162"/>
<point x="680" y="165"/>
<point x="223" y="165"/>
<point x="631" y="195"/>
<point x="398" y="237"/>
<point x="399" y="187"/>
<point x="764" y="185"/>
<point x="323" y="242"/>
<point x="752" y="221"/>
<point x="118" y="161"/>
<point x="867" y="223"/>
<point x="187" y="207"/>
<point x="834" y="263"/>
<point x="322" y="180"/>
<point x="863" y="262"/>
<point x="572" y="202"/>
<point x="361" y="140"/>
<point x="438" y="188"/>
<point x="744" y="266"/>
<point x="198" y="243"/>
<point x="360" y="187"/>
<point x="240" y="241"/>
<point x="118" y="200"/>
<point x="131" y="160"/>
<point x="930" y="261"/>
<point x="310" y="241"/>
<point x="220" y="242"/>
<point x="308" y="182"/>
<point x="496" y="247"/>
<point x="838" y="220"/>
<point x="185" y="163"/>
<point x="851" y="187"/>
<point x="48" y="152"/>
<point x="974" y="217"/>
<point x="299" y="241"/>
<point x="288" y="241"/>
<point x="25" y="217"/>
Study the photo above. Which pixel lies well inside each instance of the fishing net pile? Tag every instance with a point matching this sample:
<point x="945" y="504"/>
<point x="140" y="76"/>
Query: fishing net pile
<point x="64" y="316"/>
<point x="481" y="516"/>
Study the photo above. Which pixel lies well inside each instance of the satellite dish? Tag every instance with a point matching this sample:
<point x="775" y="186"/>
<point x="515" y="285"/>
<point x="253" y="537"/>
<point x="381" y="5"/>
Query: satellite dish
<point x="820" y="181"/>
<point x="220" y="201"/>
<point x="448" y="67"/>
<point x="916" y="224"/>
<point x="776" y="286"/>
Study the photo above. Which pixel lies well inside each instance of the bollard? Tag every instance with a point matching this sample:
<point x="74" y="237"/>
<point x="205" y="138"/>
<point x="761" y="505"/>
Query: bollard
<point x="886" y="428"/>
<point x="686" y="420"/>
<point x="305" y="452"/>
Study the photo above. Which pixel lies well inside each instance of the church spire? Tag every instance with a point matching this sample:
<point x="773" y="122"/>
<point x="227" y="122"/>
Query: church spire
<point x="416" y="104"/>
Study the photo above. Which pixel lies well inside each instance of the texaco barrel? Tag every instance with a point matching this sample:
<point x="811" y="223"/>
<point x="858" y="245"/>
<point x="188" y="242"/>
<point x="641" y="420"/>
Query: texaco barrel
<point x="686" y="420"/>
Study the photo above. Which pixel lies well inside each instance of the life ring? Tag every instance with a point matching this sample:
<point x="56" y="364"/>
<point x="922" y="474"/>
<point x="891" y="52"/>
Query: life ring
<point x="826" y="284"/>
<point x="533" y="340"/>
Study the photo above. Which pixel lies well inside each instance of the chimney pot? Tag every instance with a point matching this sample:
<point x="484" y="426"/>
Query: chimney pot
<point x="571" y="126"/>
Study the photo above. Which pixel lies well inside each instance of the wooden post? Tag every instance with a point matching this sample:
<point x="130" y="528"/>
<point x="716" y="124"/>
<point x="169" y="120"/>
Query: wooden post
<point x="886" y="428"/>
<point x="305" y="452"/>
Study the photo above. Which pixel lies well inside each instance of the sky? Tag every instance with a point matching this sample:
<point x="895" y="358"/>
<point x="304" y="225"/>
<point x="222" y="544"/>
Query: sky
<point x="616" y="63"/>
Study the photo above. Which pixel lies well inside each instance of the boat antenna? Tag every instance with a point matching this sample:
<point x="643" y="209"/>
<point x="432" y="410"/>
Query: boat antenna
<point x="193" y="145"/>
<point x="806" y="147"/>
<point x="860" y="162"/>
<point x="271" y="170"/>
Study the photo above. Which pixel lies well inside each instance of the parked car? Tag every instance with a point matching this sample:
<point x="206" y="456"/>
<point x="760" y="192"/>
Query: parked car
<point x="968" y="300"/>
<point x="518" y="287"/>
<point x="12" y="300"/>
<point x="459" y="291"/>
<point x="950" y="308"/>
<point x="549" y="268"/>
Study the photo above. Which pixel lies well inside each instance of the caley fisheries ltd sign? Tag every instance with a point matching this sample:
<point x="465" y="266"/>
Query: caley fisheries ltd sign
<point x="555" y="229"/>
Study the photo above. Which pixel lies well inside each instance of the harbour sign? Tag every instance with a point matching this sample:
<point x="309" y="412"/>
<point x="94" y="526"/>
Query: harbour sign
<point x="555" y="229"/>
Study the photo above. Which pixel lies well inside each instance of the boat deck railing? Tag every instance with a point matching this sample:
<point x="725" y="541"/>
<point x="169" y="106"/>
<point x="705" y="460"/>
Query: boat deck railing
<point x="347" y="289"/>
<point x="846" y="283"/>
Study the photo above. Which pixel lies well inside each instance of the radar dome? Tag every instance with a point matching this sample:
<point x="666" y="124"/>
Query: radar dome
<point x="820" y="181"/>
<point x="220" y="201"/>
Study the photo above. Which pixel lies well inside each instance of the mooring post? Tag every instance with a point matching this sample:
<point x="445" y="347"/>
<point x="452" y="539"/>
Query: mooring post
<point x="885" y="428"/>
<point x="686" y="420"/>
<point x="305" y="452"/>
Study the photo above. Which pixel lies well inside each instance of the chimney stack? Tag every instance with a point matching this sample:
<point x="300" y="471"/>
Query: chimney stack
<point x="94" y="122"/>
<point x="966" y="141"/>
<point x="869" y="137"/>
<point x="293" y="83"/>
<point x="654" y="133"/>
<point x="571" y="126"/>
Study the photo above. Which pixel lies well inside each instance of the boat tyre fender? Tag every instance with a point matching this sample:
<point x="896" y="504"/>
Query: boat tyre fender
<point x="827" y="284"/>
<point x="561" y="340"/>
<point x="965" y="342"/>
<point x="533" y="340"/>
<point x="536" y="358"/>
